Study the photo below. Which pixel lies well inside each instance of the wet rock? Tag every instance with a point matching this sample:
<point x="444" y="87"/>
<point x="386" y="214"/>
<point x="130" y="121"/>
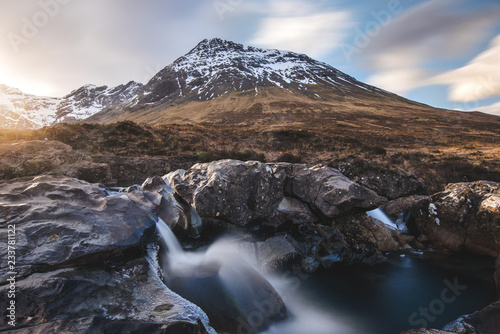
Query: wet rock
<point x="179" y="215"/>
<point x="486" y="320"/>
<point x="61" y="221"/>
<point x="466" y="216"/>
<point x="426" y="331"/>
<point x="366" y="238"/>
<point x="276" y="253"/>
<point x="130" y="298"/>
<point x="395" y="207"/>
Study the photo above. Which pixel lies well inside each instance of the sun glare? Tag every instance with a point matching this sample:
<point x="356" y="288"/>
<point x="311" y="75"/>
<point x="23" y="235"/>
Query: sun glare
<point x="27" y="87"/>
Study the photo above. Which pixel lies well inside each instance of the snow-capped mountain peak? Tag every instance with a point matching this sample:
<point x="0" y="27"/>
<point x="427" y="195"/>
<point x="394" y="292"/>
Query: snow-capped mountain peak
<point x="216" y="67"/>
<point x="20" y="110"/>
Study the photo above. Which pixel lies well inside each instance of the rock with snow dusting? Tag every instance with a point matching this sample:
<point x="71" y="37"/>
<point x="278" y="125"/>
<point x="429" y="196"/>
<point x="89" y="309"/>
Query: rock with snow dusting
<point x="466" y="216"/>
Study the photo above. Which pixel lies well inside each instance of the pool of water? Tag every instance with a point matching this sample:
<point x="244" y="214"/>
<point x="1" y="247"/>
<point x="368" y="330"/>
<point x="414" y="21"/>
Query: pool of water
<point x="409" y="291"/>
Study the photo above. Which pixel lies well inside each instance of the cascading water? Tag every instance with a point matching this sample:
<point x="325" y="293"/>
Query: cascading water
<point x="378" y="300"/>
<point x="381" y="216"/>
<point x="235" y="296"/>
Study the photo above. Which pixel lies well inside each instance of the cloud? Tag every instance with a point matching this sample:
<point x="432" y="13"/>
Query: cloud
<point x="491" y="109"/>
<point x="100" y="42"/>
<point x="397" y="81"/>
<point x="426" y="33"/>
<point x="477" y="80"/>
<point x="301" y="27"/>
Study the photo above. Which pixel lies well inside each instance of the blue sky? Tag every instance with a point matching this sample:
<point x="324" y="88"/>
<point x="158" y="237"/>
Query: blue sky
<point x="445" y="53"/>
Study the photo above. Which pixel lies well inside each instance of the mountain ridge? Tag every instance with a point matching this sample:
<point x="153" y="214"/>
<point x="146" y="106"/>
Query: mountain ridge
<point x="21" y="110"/>
<point x="220" y="81"/>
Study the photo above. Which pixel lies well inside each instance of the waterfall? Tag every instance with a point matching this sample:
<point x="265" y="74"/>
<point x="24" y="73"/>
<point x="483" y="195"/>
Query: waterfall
<point x="381" y="216"/>
<point x="236" y="297"/>
<point x="173" y="246"/>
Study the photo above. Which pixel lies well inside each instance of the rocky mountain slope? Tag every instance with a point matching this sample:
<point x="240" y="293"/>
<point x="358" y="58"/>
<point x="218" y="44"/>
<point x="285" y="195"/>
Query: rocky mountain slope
<point x="223" y="81"/>
<point x="20" y="110"/>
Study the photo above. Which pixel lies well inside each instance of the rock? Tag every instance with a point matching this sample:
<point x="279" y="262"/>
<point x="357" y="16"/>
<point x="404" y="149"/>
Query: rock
<point x="389" y="183"/>
<point x="276" y="253"/>
<point x="80" y="262"/>
<point x="179" y="215"/>
<point x="395" y="207"/>
<point x="486" y="320"/>
<point x="330" y="192"/>
<point x="61" y="221"/>
<point x="243" y="193"/>
<point x="466" y="216"/>
<point x="426" y="331"/>
<point x="130" y="298"/>
<point x="230" y="190"/>
<point x="497" y="275"/>
<point x="366" y="238"/>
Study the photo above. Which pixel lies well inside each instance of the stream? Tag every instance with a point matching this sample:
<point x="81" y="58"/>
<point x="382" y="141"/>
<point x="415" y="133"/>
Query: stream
<point x="408" y="291"/>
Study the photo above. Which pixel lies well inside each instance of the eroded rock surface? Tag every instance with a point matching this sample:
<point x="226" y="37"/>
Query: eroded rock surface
<point x="466" y="216"/>
<point x="81" y="262"/>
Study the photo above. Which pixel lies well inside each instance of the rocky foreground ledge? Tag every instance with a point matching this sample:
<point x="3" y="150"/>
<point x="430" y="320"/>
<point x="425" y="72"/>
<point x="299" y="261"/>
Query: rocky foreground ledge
<point x="85" y="256"/>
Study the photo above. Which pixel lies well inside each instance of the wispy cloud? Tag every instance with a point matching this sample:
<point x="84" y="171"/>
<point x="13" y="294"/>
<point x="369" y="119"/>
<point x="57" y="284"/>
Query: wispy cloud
<point x="477" y="80"/>
<point x="432" y="31"/>
<point x="302" y="27"/>
<point x="491" y="109"/>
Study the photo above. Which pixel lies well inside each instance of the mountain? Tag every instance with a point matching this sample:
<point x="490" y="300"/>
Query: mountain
<point x="18" y="109"/>
<point x="223" y="81"/>
<point x="220" y="81"/>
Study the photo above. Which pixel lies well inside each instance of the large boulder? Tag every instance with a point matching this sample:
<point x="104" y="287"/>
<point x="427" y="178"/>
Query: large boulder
<point x="330" y="192"/>
<point x="126" y="299"/>
<point x="80" y="262"/>
<point x="230" y="190"/>
<point x="243" y="193"/>
<point x="466" y="216"/>
<point x="61" y="221"/>
<point x="484" y="321"/>
<point x="390" y="183"/>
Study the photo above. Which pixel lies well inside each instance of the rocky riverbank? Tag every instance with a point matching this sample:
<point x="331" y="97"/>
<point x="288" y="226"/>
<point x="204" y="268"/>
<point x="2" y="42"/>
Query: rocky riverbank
<point x="86" y="254"/>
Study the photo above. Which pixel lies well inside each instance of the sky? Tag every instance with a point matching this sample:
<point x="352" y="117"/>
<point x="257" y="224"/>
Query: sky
<point x="445" y="53"/>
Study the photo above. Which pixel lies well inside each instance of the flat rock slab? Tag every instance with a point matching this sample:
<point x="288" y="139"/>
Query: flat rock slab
<point x="61" y="221"/>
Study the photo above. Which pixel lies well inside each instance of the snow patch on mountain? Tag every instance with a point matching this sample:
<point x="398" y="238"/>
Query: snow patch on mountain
<point x="20" y="110"/>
